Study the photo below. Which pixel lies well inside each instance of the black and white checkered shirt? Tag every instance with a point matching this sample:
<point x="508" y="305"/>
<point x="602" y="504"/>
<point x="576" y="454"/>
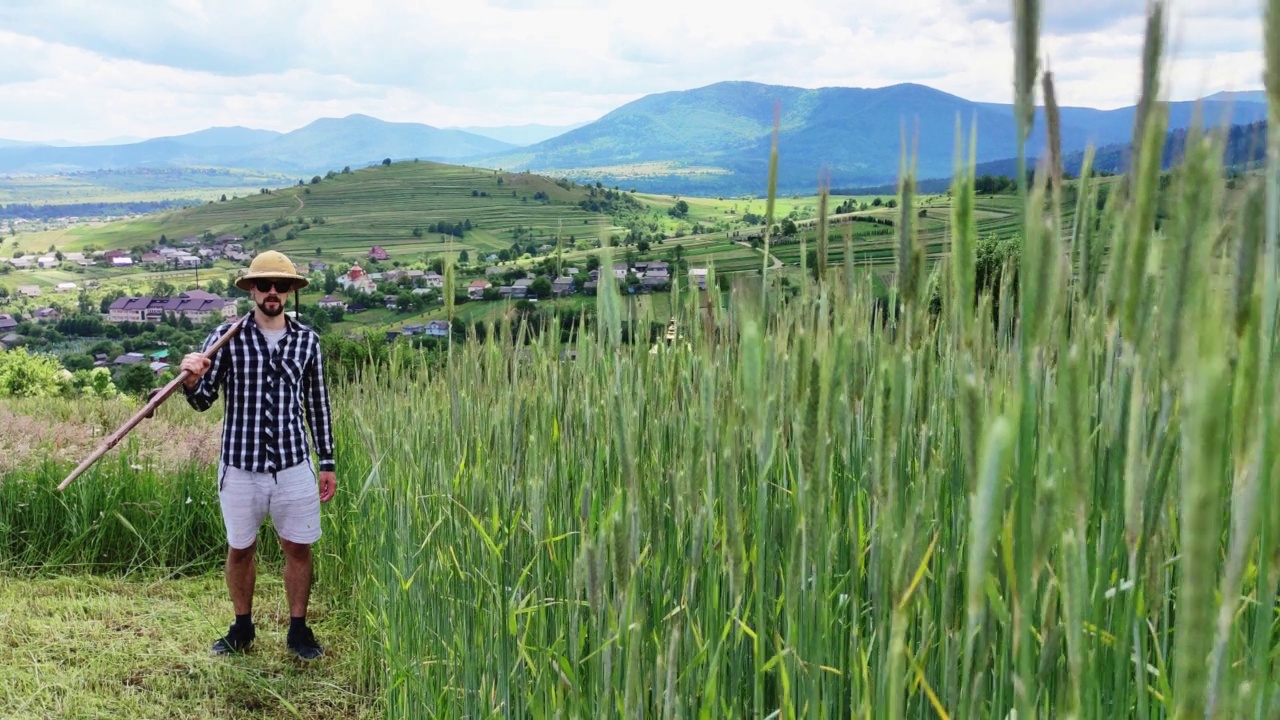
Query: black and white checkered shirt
<point x="267" y="393"/>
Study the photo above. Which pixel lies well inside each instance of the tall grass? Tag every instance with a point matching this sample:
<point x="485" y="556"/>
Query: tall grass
<point x="1054" y="499"/>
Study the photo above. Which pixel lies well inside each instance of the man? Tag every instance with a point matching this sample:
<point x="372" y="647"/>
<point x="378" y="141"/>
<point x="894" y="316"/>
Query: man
<point x="271" y="374"/>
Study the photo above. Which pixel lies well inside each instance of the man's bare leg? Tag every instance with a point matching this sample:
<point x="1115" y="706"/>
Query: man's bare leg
<point x="242" y="575"/>
<point x="297" y="585"/>
<point x="297" y="576"/>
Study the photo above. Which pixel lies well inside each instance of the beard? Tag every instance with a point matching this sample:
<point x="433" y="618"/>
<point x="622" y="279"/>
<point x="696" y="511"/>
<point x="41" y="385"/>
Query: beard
<point x="271" y="306"/>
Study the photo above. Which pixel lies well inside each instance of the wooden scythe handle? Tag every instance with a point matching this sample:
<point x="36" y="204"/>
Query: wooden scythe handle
<point x="115" y="437"/>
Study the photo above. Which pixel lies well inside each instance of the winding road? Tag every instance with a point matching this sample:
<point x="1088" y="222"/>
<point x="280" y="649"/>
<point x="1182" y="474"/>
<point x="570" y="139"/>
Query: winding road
<point x="776" y="262"/>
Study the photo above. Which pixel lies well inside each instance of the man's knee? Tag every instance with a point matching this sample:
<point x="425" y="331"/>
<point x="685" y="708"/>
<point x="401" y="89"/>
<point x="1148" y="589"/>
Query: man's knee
<point x="295" y="551"/>
<point x="240" y="555"/>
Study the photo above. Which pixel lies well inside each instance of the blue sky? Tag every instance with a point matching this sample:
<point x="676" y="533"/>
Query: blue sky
<point x="85" y="70"/>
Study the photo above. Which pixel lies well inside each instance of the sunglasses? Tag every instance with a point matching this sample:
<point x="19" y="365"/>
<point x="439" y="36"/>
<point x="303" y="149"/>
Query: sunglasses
<point x="281" y="286"/>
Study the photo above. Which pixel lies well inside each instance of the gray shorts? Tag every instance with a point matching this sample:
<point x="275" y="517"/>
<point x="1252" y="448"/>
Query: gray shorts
<point x="291" y="496"/>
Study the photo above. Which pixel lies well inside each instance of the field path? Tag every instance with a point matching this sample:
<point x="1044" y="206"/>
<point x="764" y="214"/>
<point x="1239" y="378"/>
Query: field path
<point x="301" y="204"/>
<point x="776" y="262"/>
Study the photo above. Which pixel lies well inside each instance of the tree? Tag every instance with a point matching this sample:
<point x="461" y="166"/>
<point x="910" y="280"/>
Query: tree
<point x="643" y="246"/>
<point x="386" y="162"/>
<point x="163" y="289"/>
<point x="94" y="382"/>
<point x="541" y="288"/>
<point x="330" y="281"/>
<point x="33" y="376"/>
<point x="224" y="198"/>
<point x="464" y="257"/>
<point x="137" y="379"/>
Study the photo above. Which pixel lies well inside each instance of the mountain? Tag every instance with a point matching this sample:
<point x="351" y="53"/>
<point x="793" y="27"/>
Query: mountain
<point x="1249" y="96"/>
<point x="713" y="140"/>
<point x="224" y="137"/>
<point x="1244" y="146"/>
<point x="328" y="143"/>
<point x="716" y="139"/>
<point x="331" y="143"/>
<point x="521" y="135"/>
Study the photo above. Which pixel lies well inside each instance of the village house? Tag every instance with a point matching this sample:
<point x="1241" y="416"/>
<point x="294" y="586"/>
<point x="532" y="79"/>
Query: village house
<point x="7" y="323"/>
<point x="377" y="253"/>
<point x="329" y="301"/>
<point x="438" y="328"/>
<point x="699" y="276"/>
<point x="476" y="289"/>
<point x="46" y="315"/>
<point x="520" y="288"/>
<point x="29" y="290"/>
<point x="65" y="287"/>
<point x="562" y="286"/>
<point x="47" y="262"/>
<point x="432" y="280"/>
<point x="121" y="262"/>
<point x="356" y="278"/>
<point x="21" y="263"/>
<point x="197" y="305"/>
<point x="153" y="258"/>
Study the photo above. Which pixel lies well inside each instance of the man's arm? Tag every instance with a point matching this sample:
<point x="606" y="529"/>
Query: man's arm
<point x="203" y="393"/>
<point x="319" y="414"/>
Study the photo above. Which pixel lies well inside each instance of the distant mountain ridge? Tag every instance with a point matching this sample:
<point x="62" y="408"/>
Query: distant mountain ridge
<point x="716" y="139"/>
<point x="713" y="140"/>
<point x="327" y="143"/>
<point x="520" y="135"/>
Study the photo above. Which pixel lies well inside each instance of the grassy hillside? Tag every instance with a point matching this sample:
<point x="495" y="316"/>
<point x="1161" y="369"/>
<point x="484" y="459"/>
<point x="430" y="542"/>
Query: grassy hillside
<point x="381" y="205"/>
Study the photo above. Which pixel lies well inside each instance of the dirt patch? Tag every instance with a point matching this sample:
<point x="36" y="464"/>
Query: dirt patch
<point x="63" y="432"/>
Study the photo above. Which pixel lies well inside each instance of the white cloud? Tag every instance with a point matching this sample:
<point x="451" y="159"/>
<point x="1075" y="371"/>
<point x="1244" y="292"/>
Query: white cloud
<point x="85" y="71"/>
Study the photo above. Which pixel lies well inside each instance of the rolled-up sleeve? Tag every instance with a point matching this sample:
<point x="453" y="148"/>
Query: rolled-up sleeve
<point x="205" y="393"/>
<point x="319" y="415"/>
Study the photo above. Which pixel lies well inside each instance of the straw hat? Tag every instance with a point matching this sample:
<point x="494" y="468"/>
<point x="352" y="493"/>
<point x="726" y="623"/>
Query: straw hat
<point x="271" y="265"/>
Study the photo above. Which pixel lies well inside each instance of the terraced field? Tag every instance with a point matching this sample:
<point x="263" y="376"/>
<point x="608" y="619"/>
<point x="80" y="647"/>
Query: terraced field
<point x="375" y="206"/>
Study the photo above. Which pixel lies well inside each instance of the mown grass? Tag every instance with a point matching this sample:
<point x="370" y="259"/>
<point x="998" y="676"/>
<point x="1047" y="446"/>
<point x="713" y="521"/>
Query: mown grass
<point x="91" y="647"/>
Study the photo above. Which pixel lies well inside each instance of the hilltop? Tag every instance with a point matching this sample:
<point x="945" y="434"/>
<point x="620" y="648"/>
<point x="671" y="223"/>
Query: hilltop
<point x="410" y="209"/>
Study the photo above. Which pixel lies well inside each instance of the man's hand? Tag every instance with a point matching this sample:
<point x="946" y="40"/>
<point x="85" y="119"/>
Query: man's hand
<point x="328" y="485"/>
<point x="197" y="365"/>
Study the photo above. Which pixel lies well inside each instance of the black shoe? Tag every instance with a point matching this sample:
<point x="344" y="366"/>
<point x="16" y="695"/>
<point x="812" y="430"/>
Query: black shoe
<point x="235" y="641"/>
<point x="303" y="644"/>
